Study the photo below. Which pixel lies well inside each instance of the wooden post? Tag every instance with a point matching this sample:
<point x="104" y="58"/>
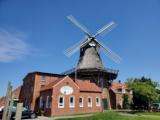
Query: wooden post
<point x="19" y="111"/>
<point x="10" y="106"/>
<point x="8" y="96"/>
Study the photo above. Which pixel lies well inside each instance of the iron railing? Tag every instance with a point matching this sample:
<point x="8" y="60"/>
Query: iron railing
<point x="105" y="69"/>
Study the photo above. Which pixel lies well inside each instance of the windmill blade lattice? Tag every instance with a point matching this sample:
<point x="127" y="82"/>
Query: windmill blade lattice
<point x="107" y="28"/>
<point x="112" y="55"/>
<point x="82" y="27"/>
<point x="70" y="51"/>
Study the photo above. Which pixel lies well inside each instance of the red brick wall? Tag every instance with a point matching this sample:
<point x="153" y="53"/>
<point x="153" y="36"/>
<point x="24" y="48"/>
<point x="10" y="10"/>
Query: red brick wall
<point x="38" y="84"/>
<point x="31" y="87"/>
<point x="119" y="100"/>
<point x="76" y="110"/>
<point x="113" y="99"/>
<point x="44" y="95"/>
<point x="27" y="90"/>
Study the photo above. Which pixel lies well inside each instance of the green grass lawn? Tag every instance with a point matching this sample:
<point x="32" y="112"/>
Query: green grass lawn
<point x="117" y="116"/>
<point x="149" y="113"/>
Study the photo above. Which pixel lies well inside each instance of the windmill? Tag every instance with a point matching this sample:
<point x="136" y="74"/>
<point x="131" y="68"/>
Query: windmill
<point x="89" y="48"/>
<point x="90" y="64"/>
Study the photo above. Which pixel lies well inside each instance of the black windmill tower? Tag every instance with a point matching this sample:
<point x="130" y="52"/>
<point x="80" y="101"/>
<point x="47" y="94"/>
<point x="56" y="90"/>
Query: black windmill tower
<point x="90" y="64"/>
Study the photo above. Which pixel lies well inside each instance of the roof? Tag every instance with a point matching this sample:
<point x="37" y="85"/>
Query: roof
<point x="44" y="73"/>
<point x="50" y="85"/>
<point x="49" y="74"/>
<point x="84" y="85"/>
<point x="87" y="86"/>
<point x="116" y="86"/>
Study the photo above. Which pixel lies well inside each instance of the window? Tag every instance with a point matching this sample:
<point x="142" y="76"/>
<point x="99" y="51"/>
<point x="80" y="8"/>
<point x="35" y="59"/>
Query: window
<point x="50" y="102"/>
<point x="119" y="90"/>
<point x="71" y="102"/>
<point x="123" y="90"/>
<point x="61" y="102"/>
<point x="42" y="86"/>
<point x="97" y="101"/>
<point x="43" y="77"/>
<point x="47" y="102"/>
<point x="32" y="89"/>
<point x="43" y="80"/>
<point x="40" y="102"/>
<point x="89" y="101"/>
<point x="81" y="102"/>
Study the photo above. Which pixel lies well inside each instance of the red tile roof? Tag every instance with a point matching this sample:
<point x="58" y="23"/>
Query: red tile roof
<point x="87" y="86"/>
<point x="50" y="85"/>
<point x="116" y="86"/>
<point x="84" y="85"/>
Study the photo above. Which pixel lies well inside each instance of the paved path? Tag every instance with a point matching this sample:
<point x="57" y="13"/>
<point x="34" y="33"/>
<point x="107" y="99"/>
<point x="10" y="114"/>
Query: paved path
<point x="60" y="117"/>
<point x="74" y="116"/>
<point x="40" y="118"/>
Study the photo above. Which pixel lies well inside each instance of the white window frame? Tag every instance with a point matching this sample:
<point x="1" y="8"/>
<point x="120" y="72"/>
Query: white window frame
<point x="89" y="104"/>
<point x="81" y="104"/>
<point x="60" y="105"/>
<point x="98" y="103"/>
<point x="72" y="105"/>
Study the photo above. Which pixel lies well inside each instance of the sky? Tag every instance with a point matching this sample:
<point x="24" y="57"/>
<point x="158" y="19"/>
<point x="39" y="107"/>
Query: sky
<point x="35" y="33"/>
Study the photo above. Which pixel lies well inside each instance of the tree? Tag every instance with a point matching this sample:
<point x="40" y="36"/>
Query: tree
<point x="144" y="92"/>
<point x="126" y="103"/>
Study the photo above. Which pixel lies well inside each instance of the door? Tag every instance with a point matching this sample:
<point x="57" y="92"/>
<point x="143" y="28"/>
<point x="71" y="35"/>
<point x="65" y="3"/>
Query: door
<point x="104" y="103"/>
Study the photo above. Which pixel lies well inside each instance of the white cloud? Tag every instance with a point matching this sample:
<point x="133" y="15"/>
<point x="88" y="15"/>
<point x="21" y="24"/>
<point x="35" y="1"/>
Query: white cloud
<point x="12" y="46"/>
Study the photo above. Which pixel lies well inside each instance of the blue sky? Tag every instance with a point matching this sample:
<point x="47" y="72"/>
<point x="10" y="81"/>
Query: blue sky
<point x="35" y="33"/>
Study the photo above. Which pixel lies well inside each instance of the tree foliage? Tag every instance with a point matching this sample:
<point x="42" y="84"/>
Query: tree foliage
<point x="126" y="103"/>
<point x="144" y="92"/>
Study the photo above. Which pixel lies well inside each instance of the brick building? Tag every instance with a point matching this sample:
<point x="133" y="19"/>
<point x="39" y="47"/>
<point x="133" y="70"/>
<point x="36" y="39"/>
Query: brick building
<point x="117" y="91"/>
<point x="37" y="84"/>
<point x="57" y="94"/>
<point x="64" y="96"/>
<point x="32" y="84"/>
<point x="16" y="96"/>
